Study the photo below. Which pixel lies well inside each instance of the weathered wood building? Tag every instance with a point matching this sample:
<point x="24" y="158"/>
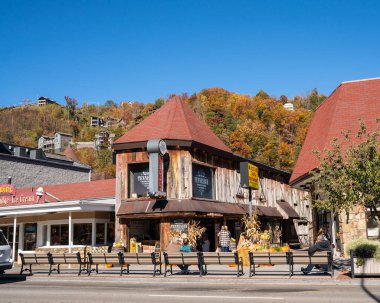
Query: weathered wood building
<point x="201" y="180"/>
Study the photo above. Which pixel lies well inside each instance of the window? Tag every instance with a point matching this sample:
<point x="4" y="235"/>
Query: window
<point x="82" y="234"/>
<point x="372" y="228"/>
<point x="59" y="234"/>
<point x="100" y="233"/>
<point x="203" y="182"/>
<point x="30" y="236"/>
<point x="138" y="180"/>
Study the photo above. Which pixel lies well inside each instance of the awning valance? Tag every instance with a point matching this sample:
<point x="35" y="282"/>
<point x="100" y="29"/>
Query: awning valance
<point x="175" y="206"/>
<point x="288" y="210"/>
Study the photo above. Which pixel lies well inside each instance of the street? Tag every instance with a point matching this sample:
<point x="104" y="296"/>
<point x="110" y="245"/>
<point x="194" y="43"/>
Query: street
<point x="111" y="289"/>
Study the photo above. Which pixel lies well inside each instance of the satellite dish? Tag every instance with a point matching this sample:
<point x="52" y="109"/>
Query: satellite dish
<point x="40" y="191"/>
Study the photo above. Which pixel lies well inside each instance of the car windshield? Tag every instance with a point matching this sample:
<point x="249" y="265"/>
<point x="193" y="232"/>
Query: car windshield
<point x="3" y="241"/>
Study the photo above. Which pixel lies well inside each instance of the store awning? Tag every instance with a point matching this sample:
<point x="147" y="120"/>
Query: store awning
<point x="106" y="204"/>
<point x="178" y="206"/>
<point x="265" y="211"/>
<point x="288" y="210"/>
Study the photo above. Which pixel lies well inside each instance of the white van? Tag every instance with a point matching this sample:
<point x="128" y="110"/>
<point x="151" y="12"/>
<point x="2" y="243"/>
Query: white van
<point x="5" y="254"/>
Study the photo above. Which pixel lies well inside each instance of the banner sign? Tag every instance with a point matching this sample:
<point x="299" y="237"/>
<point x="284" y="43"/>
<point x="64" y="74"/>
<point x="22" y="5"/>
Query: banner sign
<point x="249" y="175"/>
<point x="7" y="190"/>
<point x="21" y="199"/>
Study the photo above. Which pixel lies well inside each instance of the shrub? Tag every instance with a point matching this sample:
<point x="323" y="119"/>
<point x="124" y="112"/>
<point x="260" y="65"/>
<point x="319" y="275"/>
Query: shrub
<point x="363" y="249"/>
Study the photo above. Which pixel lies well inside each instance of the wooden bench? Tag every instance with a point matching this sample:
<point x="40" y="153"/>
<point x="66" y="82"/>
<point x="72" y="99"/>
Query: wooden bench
<point x="30" y="259"/>
<point x="181" y="258"/>
<point x="127" y="259"/>
<point x="103" y="259"/>
<point x="268" y="258"/>
<point x="304" y="258"/>
<point x="220" y="258"/>
<point x="57" y="259"/>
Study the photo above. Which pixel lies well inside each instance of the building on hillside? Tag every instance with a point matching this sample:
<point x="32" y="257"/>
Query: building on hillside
<point x="96" y="121"/>
<point x="59" y="218"/>
<point x="341" y="111"/>
<point x="43" y="101"/>
<point x="32" y="167"/>
<point x="289" y="106"/>
<point x="201" y="180"/>
<point x="56" y="144"/>
<point x="104" y="140"/>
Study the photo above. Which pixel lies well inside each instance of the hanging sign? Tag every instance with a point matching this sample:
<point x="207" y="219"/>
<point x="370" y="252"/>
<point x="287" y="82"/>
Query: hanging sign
<point x="249" y="175"/>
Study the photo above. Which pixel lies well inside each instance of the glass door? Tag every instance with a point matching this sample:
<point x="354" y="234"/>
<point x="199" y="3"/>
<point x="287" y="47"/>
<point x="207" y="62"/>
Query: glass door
<point x="30" y="236"/>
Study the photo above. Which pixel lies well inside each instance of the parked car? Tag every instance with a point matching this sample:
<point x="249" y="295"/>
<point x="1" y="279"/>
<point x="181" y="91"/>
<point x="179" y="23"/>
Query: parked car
<point x="5" y="254"/>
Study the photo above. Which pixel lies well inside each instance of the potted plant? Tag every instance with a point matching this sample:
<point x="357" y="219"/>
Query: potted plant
<point x="365" y="257"/>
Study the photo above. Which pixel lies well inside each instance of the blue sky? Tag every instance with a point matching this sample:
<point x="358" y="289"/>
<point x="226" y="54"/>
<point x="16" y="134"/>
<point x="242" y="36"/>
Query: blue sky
<point x="141" y="50"/>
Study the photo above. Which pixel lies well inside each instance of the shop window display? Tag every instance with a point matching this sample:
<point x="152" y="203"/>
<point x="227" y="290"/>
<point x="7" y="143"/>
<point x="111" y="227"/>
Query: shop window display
<point x="59" y="234"/>
<point x="100" y="233"/>
<point x="82" y="234"/>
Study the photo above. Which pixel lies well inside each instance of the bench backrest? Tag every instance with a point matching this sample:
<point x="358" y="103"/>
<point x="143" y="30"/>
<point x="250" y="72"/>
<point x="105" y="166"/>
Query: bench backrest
<point x="32" y="258"/>
<point x="181" y="258"/>
<point x="104" y="258"/>
<point x="303" y="257"/>
<point x="223" y="258"/>
<point x="65" y="258"/>
<point x="138" y="258"/>
<point x="274" y="258"/>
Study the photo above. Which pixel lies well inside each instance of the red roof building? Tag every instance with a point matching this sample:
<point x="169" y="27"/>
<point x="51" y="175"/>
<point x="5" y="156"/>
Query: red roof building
<point x="47" y="217"/>
<point x="177" y="124"/>
<point x="349" y="103"/>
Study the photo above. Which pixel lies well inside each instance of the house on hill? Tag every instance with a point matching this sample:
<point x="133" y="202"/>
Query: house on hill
<point x="349" y="103"/>
<point x="198" y="178"/>
<point x="43" y="101"/>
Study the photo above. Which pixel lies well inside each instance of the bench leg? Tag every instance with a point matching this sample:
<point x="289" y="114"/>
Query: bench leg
<point x="97" y="268"/>
<point x="59" y="271"/>
<point x="22" y="269"/>
<point x="89" y="270"/>
<point x="30" y="269"/>
<point x="171" y="269"/>
<point x="121" y="270"/>
<point x="165" y="270"/>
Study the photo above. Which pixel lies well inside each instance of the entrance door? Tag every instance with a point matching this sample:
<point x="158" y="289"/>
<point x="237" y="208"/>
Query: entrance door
<point x="210" y="231"/>
<point x="30" y="236"/>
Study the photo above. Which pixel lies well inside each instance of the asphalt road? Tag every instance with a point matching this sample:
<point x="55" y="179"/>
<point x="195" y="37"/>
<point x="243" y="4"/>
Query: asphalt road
<point x="182" y="290"/>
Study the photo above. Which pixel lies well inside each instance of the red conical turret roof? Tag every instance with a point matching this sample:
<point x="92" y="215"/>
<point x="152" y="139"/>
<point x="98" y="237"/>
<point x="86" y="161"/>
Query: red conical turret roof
<point x="175" y="120"/>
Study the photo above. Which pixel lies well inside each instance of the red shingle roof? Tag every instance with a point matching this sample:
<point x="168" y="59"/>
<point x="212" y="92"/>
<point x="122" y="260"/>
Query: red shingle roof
<point x="76" y="191"/>
<point x="341" y="111"/>
<point x="175" y="120"/>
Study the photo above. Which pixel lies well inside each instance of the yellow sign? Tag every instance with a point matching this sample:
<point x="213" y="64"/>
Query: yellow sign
<point x="253" y="176"/>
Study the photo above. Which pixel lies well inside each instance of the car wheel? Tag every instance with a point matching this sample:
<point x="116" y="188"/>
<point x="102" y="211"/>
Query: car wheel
<point x="1" y="272"/>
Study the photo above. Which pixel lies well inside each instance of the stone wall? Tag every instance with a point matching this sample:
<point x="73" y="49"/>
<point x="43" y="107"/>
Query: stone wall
<point x="28" y="173"/>
<point x="352" y="227"/>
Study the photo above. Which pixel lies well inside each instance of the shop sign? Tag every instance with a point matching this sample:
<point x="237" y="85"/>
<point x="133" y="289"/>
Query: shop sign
<point x="21" y="199"/>
<point x="7" y="190"/>
<point x="180" y="226"/>
<point x="202" y="182"/>
<point x="249" y="175"/>
<point x="141" y="182"/>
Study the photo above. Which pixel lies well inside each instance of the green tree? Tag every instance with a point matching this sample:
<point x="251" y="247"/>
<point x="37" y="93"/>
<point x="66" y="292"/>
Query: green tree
<point x="349" y="174"/>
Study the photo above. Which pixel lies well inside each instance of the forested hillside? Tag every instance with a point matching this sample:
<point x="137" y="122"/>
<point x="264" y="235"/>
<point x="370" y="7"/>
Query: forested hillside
<point x="258" y="126"/>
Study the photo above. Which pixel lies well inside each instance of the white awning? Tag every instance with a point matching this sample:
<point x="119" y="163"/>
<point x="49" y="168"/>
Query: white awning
<point x="107" y="204"/>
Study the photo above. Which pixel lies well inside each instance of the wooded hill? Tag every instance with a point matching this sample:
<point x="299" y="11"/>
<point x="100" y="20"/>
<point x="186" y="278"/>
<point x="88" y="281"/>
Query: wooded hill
<point x="258" y="127"/>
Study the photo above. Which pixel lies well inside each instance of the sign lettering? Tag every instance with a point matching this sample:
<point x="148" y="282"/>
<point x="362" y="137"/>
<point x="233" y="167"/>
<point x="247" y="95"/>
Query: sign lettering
<point x="7" y="190"/>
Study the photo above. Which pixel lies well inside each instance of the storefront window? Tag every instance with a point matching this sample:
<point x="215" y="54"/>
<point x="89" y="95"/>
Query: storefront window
<point x="110" y="233"/>
<point x="82" y="234"/>
<point x="138" y="180"/>
<point x="100" y="233"/>
<point x="203" y="182"/>
<point x="59" y="234"/>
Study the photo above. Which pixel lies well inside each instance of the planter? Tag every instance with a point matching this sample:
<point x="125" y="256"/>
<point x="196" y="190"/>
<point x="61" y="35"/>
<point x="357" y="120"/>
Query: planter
<point x="370" y="267"/>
